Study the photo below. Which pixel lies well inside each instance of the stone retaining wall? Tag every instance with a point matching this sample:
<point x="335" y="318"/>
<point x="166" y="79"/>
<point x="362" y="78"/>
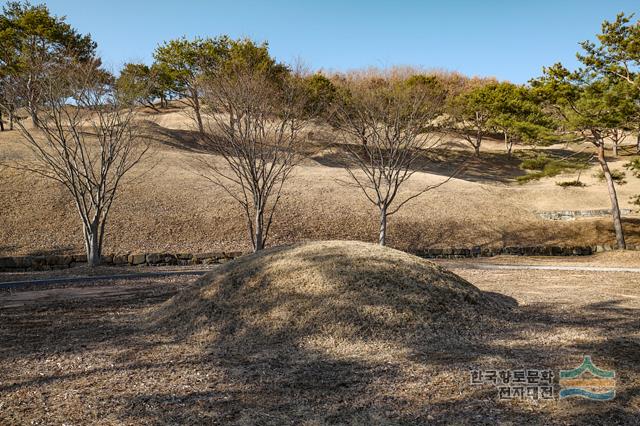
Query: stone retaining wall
<point x="577" y="214"/>
<point x="40" y="263"/>
<point x="518" y="251"/>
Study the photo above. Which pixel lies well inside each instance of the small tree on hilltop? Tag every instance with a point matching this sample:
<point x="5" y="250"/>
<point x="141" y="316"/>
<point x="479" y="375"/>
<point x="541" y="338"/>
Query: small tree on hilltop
<point x="469" y="114"/>
<point x="31" y="40"/>
<point x="184" y="62"/>
<point x="85" y="140"/>
<point x="254" y="110"/>
<point x="321" y="94"/>
<point x="617" y="54"/>
<point x="517" y="115"/>
<point x="387" y="125"/>
<point x="143" y="84"/>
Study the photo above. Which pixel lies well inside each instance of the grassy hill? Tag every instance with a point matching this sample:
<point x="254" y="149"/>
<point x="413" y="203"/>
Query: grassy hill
<point x="166" y="206"/>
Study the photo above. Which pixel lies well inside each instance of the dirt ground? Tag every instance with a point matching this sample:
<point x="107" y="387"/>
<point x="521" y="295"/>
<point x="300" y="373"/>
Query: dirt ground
<point x="103" y="270"/>
<point x="167" y="206"/>
<point x="79" y="355"/>
<point x="611" y="259"/>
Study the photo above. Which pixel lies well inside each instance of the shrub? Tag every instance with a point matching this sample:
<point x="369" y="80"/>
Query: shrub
<point x="537" y="163"/>
<point x="617" y="176"/>
<point x="634" y="166"/>
<point x="568" y="183"/>
<point x="529" y="177"/>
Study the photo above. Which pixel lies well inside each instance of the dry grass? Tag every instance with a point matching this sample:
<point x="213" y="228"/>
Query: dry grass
<point x="84" y="271"/>
<point x="622" y="259"/>
<point x="364" y="357"/>
<point x="169" y="208"/>
<point x="324" y="296"/>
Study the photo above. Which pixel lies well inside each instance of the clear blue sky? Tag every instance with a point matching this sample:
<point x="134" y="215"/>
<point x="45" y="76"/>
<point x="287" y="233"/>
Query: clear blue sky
<point x="508" y="39"/>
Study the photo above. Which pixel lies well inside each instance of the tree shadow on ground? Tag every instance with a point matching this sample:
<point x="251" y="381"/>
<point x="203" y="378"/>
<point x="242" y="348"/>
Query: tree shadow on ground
<point x="287" y="380"/>
<point x="71" y="326"/>
<point x="490" y="167"/>
<point x="400" y="373"/>
<point x="420" y="235"/>
<point x="185" y="140"/>
<point x="321" y="147"/>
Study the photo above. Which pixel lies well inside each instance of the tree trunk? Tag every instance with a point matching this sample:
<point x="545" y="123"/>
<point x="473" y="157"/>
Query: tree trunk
<point x="615" y="209"/>
<point x="258" y="231"/>
<point x="34" y="119"/>
<point x="615" y="148"/>
<point x="638" y="143"/>
<point x="508" y="144"/>
<point x="31" y="101"/>
<point x="196" y="108"/>
<point x="1" y="122"/>
<point x="477" y="145"/>
<point x="11" y="119"/>
<point x="93" y="245"/>
<point x="382" y="238"/>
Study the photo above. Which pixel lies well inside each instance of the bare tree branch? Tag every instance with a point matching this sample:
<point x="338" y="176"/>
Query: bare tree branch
<point x="387" y="128"/>
<point x="84" y="139"/>
<point x="252" y="123"/>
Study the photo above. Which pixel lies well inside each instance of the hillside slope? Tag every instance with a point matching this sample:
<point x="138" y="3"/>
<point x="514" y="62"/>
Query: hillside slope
<point x="168" y="207"/>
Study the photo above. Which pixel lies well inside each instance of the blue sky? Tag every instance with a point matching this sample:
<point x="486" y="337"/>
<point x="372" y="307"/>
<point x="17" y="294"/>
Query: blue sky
<point x="510" y="40"/>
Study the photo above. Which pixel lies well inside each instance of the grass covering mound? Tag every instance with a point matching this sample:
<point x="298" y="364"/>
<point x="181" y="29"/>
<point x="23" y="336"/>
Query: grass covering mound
<point x="333" y="298"/>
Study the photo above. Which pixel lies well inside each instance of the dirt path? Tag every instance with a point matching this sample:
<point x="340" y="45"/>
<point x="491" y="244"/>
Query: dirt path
<point x="57" y="295"/>
<point x="116" y="291"/>
<point x="93" y="278"/>
<point x="494" y="267"/>
<point x="450" y="264"/>
<point x="134" y="286"/>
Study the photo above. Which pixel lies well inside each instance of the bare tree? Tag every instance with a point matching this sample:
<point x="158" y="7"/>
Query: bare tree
<point x="85" y="139"/>
<point x="252" y="122"/>
<point x="387" y="124"/>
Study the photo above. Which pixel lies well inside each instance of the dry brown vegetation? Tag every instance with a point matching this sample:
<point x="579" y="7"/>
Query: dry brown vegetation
<point x="167" y="207"/>
<point x="323" y="333"/>
<point x="613" y="259"/>
<point x="326" y="296"/>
